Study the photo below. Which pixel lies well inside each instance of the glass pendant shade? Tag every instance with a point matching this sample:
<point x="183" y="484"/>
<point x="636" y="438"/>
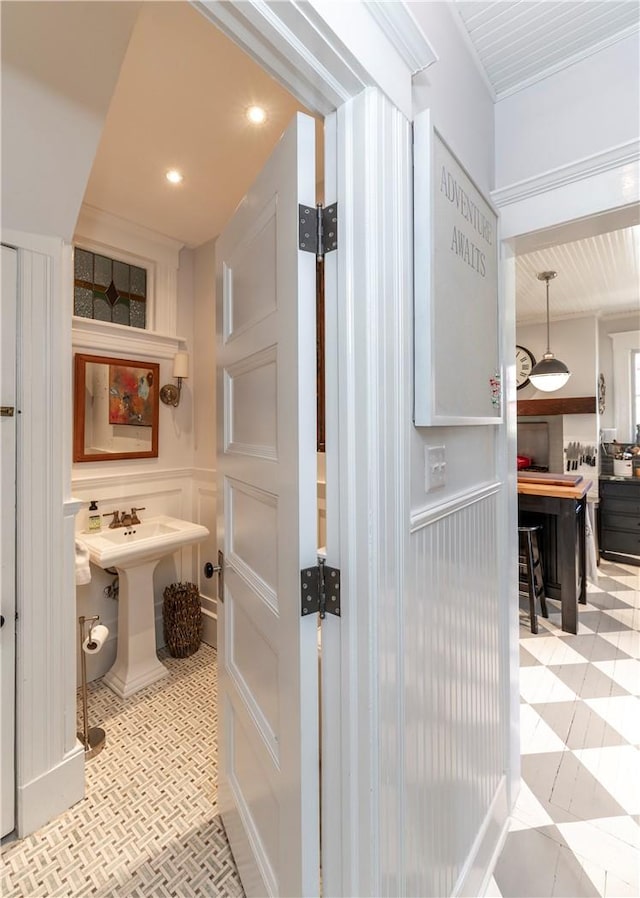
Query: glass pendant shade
<point x="550" y="373"/>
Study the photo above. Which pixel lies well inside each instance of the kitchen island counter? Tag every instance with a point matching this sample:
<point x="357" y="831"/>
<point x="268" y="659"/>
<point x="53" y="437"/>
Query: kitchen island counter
<point x="557" y="502"/>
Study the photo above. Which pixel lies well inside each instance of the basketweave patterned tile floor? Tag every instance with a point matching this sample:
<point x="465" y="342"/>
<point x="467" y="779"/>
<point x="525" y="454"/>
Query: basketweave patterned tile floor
<point x="575" y="830"/>
<point x="147" y="827"/>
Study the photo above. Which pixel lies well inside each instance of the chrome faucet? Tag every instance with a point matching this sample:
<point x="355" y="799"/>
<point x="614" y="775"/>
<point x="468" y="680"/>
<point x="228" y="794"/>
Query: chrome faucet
<point x="134" y="514"/>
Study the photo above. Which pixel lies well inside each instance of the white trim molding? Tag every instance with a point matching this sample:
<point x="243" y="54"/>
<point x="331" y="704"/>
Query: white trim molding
<point x="486" y="848"/>
<point x="127" y="479"/>
<point x="608" y="160"/>
<point x="90" y="335"/>
<point x="351" y="48"/>
<point x="374" y="337"/>
<point x="398" y="23"/>
<point x="624" y="345"/>
<point x="434" y="513"/>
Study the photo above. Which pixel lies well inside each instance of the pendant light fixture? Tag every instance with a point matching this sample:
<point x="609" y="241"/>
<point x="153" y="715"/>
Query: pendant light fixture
<point x="550" y="373"/>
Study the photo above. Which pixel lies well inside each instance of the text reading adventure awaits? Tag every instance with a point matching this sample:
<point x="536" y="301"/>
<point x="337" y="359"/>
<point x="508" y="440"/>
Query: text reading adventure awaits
<point x="464" y="247"/>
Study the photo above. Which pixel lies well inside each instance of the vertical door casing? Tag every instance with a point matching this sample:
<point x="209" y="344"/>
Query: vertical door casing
<point x="8" y="397"/>
<point x="268" y="668"/>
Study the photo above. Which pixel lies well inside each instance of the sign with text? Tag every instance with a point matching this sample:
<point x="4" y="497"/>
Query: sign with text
<point x="457" y="373"/>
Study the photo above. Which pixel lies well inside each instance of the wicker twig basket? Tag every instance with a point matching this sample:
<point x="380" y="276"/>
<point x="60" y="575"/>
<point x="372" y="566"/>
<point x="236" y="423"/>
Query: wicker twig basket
<point x="182" y="619"/>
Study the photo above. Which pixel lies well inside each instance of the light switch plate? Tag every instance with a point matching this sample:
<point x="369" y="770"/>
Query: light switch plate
<point x="435" y="468"/>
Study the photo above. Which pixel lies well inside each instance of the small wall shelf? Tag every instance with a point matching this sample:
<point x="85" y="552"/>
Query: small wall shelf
<point x="576" y="405"/>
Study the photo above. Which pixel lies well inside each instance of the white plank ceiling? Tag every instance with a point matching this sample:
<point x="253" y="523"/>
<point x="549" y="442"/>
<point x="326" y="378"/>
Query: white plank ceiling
<point x="599" y="275"/>
<point x="523" y="41"/>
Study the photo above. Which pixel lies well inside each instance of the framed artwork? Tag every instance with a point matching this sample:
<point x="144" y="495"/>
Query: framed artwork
<point x="115" y="408"/>
<point x="131" y="395"/>
<point x="456" y="321"/>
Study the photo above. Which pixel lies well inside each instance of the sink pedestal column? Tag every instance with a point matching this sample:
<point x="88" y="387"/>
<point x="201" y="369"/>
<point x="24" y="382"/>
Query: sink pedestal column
<point x="136" y="664"/>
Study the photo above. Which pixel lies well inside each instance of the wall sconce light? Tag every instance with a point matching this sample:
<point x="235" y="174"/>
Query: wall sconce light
<point x="170" y="393"/>
<point x="550" y="373"/>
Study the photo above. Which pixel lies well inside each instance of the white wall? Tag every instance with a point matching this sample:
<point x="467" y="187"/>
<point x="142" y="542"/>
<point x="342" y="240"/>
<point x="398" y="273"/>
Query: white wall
<point x="456" y="94"/>
<point x="583" y="110"/>
<point x="463" y="113"/>
<point x="608" y="326"/>
<point x="66" y="83"/>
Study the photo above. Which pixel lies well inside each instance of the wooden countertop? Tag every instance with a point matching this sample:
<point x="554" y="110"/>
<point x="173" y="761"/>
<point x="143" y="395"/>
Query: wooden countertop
<point x="560" y="486"/>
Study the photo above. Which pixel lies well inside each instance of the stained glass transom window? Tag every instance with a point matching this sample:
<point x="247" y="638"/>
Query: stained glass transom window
<point x="109" y="290"/>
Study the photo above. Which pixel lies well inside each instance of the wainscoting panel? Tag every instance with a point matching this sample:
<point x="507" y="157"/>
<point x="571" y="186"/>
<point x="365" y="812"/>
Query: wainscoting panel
<point x="454" y="735"/>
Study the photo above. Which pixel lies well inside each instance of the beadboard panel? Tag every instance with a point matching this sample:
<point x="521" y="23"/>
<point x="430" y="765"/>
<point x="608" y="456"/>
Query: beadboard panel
<point x="454" y="747"/>
<point x="49" y="770"/>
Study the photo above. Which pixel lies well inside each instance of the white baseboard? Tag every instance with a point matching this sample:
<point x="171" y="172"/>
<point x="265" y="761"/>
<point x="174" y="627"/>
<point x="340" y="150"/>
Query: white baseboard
<point x="209" y="627"/>
<point x="478" y="869"/>
<point x="51" y="793"/>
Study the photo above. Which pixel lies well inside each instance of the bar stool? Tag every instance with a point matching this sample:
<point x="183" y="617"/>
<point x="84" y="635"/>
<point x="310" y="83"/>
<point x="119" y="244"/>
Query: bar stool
<point x="531" y="572"/>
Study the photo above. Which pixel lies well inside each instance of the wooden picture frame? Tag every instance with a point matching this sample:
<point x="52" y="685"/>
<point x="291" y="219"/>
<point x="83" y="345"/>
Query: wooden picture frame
<point x="95" y="435"/>
<point x="456" y="314"/>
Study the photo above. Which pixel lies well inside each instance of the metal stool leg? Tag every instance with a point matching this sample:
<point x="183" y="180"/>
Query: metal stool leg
<point x="531" y="581"/>
<point x="539" y="576"/>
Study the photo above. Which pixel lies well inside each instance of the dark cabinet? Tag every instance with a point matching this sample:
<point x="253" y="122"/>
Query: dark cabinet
<point x="620" y="520"/>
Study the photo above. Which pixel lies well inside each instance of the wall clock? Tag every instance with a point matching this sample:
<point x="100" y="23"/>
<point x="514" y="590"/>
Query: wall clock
<point x="524" y="363"/>
<point x="601" y="394"/>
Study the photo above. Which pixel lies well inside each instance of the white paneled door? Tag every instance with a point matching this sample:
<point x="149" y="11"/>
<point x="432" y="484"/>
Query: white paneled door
<point x="7" y="534"/>
<point x="268" y="667"/>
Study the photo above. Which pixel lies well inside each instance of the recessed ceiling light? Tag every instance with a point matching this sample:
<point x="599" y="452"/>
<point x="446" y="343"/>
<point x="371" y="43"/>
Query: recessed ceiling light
<point x="174" y="176"/>
<point x="256" y="115"/>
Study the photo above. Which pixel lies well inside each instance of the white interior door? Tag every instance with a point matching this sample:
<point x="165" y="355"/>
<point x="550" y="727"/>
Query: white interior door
<point x="267" y="655"/>
<point x="8" y="535"/>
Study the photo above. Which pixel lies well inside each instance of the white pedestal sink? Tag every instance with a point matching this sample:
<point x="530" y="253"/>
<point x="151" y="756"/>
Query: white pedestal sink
<point x="135" y="551"/>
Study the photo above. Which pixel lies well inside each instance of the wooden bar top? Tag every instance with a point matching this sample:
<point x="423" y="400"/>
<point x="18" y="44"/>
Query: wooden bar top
<point x="560" y="486"/>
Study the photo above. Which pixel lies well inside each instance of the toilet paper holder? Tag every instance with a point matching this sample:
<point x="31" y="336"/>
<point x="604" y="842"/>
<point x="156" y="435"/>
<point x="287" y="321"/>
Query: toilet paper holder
<point x="93" y="739"/>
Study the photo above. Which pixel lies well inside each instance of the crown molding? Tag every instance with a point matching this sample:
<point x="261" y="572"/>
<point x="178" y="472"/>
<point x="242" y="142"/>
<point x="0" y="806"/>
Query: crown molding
<point x="404" y="33"/>
<point x="608" y="160"/>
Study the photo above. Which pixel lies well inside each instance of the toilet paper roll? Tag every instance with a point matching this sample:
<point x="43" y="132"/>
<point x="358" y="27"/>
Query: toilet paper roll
<point x="96" y="640"/>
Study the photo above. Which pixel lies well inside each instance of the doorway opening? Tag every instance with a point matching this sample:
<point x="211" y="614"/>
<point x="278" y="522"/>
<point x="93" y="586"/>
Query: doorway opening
<point x="145" y="100"/>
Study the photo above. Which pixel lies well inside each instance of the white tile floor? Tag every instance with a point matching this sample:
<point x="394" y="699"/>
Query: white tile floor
<point x="147" y="827"/>
<point x="575" y="829"/>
